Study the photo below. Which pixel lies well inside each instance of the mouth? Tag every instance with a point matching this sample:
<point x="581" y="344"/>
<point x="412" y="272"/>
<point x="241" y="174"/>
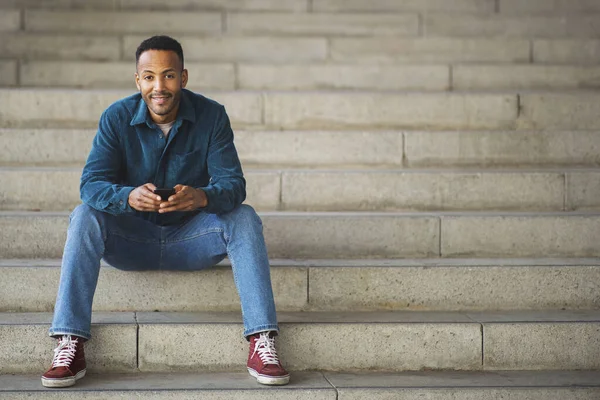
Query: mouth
<point x="160" y="100"/>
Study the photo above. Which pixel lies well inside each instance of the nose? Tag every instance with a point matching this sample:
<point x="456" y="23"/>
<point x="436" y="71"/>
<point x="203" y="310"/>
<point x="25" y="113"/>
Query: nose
<point x="159" y="84"/>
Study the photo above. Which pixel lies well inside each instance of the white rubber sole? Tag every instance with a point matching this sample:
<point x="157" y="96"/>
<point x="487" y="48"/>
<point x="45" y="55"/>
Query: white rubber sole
<point x="63" y="382"/>
<point x="269" y="380"/>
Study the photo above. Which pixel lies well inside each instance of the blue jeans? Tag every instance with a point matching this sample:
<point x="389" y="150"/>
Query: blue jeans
<point x="133" y="244"/>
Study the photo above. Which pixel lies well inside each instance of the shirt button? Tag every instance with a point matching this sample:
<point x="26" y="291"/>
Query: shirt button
<point x="121" y="202"/>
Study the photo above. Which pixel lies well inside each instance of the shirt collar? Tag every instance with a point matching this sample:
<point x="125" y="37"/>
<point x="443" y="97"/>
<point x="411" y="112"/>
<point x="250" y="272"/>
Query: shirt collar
<point x="186" y="111"/>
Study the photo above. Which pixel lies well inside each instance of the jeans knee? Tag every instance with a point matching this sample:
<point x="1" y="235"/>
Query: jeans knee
<point x="245" y="214"/>
<point x="86" y="218"/>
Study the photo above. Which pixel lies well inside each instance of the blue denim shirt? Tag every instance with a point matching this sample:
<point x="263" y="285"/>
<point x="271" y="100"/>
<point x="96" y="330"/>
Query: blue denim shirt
<point x="130" y="150"/>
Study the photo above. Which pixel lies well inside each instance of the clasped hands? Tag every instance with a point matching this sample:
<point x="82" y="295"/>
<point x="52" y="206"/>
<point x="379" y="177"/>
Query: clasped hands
<point x="186" y="198"/>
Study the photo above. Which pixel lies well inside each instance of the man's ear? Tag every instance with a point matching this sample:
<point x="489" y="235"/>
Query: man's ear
<point x="137" y="81"/>
<point x="184" y="78"/>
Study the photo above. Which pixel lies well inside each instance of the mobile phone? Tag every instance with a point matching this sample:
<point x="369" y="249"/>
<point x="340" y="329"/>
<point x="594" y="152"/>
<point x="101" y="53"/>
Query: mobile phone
<point x="164" y="193"/>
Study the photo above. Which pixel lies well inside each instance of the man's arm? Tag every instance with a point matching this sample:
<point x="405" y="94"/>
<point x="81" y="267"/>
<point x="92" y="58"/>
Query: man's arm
<point x="227" y="187"/>
<point x="99" y="188"/>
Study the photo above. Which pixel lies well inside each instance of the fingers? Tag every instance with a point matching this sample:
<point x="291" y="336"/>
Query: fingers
<point x="182" y="200"/>
<point x="143" y="199"/>
<point x="150" y="186"/>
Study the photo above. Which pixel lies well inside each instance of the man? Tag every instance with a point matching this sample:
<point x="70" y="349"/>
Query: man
<point x="163" y="137"/>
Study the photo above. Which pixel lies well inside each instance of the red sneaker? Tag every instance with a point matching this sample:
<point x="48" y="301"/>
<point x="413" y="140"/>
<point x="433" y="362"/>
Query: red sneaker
<point x="263" y="363"/>
<point x="68" y="364"/>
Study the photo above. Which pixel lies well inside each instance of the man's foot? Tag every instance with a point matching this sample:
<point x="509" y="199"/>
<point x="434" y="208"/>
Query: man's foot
<point x="68" y="364"/>
<point x="263" y="363"/>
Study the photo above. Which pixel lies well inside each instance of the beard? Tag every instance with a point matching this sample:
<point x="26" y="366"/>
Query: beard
<point x="162" y="103"/>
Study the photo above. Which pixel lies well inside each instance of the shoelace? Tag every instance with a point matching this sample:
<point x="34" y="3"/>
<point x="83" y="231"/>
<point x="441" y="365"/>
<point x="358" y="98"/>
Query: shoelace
<point x="65" y="352"/>
<point x="265" y="346"/>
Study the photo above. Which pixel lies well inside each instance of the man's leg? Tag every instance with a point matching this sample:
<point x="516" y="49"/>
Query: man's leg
<point x="205" y="240"/>
<point x="91" y="235"/>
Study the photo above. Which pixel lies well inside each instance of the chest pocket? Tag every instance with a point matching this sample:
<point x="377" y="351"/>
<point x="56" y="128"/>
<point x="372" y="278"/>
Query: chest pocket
<point x="188" y="168"/>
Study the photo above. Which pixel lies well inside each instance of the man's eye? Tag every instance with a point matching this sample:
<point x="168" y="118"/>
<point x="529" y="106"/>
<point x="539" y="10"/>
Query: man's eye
<point x="170" y="76"/>
<point x="147" y="78"/>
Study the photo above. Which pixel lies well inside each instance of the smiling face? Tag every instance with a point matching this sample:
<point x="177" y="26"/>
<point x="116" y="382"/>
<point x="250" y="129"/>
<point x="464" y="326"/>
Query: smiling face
<point x="160" y="78"/>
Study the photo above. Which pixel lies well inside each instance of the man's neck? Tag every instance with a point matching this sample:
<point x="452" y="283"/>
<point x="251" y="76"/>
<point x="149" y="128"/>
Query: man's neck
<point x="163" y="119"/>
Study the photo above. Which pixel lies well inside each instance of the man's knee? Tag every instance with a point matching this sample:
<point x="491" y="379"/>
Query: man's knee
<point x="244" y="214"/>
<point x="85" y="218"/>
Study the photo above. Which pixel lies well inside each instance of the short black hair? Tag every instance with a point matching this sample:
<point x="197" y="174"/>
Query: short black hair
<point x="160" y="42"/>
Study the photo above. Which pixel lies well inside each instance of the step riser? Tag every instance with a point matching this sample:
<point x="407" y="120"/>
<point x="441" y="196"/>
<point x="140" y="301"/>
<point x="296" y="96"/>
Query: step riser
<point x="508" y="7"/>
<point x="269" y="23"/>
<point x="235" y="23"/>
<point x="212" y="290"/>
<point x="559" y="111"/>
<point x="348" y="191"/>
<point x="469" y="394"/>
<point x="211" y="394"/>
<point x="420" y="149"/>
<point x="112" y="350"/>
<point x="355" y="236"/>
<point x="207" y="5"/>
<point x="323" y="394"/>
<point x="228" y="76"/>
<point x="543" y="6"/>
<point x="279" y="49"/>
<point x="30" y="289"/>
<point x="566" y="51"/>
<point x="331" y="110"/>
<point x="60" y="191"/>
<point x="329" y="346"/>
<point x="121" y="76"/>
<point x="283" y="110"/>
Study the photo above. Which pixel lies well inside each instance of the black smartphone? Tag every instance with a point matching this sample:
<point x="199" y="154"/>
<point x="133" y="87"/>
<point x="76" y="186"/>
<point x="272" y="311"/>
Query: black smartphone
<point x="164" y="193"/>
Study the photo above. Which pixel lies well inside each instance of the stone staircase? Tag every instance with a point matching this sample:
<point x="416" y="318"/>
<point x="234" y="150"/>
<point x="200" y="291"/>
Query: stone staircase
<point x="426" y="171"/>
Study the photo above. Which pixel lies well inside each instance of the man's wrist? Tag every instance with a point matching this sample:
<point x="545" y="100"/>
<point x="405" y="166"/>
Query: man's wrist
<point x="203" y="198"/>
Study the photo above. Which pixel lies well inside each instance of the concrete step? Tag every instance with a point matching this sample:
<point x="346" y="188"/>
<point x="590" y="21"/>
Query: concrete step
<point x="8" y="73"/>
<point x="359" y="190"/>
<point x="317" y="76"/>
<point x="86" y="74"/>
<point x="566" y="51"/>
<point x="276" y="48"/>
<point x="207" y="23"/>
<point x="364" y="23"/>
<point x="482" y="6"/>
<point x="364" y="235"/>
<point x="57" y="189"/>
<point x="393" y="341"/>
<point x="575" y="110"/>
<point x="327" y="285"/>
<point x="468" y="6"/>
<point x="429" y="50"/>
<point x="174" y="386"/>
<point x="228" y="76"/>
<point x="279" y="49"/>
<point x="343" y="149"/>
<point x="205" y="5"/>
<point x="552" y="7"/>
<point x="499" y="77"/>
<point x="287" y="110"/>
<point x="516" y="385"/>
<point x="526" y="26"/>
<point x="10" y="20"/>
<point x="553" y="111"/>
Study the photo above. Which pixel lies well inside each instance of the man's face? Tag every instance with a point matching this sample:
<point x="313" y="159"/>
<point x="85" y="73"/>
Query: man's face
<point x="160" y="78"/>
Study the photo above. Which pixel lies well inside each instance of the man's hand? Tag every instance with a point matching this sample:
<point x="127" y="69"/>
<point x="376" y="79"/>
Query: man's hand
<point x="143" y="198"/>
<point x="186" y="198"/>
